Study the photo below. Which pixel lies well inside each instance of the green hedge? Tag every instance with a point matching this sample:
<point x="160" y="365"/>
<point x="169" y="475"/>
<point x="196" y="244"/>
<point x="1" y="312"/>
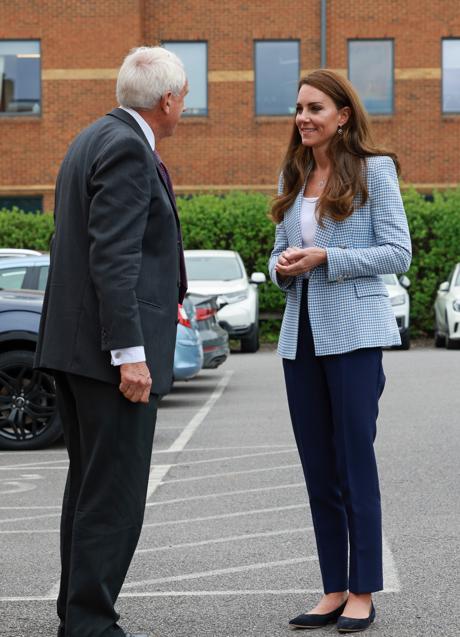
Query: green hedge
<point x="239" y="221"/>
<point x="25" y="230"/>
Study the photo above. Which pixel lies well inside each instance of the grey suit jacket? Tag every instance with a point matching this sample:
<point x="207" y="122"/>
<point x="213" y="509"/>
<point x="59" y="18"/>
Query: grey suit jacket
<point x="114" y="277"/>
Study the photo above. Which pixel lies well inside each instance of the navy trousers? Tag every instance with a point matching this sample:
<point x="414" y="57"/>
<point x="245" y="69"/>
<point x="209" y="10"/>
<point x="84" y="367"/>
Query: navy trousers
<point x="333" y="402"/>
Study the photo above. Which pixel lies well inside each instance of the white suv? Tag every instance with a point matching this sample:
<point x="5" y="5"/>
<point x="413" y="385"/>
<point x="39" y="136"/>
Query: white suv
<point x="447" y="311"/>
<point x="400" y="302"/>
<point x="222" y="273"/>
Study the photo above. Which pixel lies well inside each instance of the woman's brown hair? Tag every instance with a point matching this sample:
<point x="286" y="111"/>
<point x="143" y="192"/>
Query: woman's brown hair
<point x="346" y="152"/>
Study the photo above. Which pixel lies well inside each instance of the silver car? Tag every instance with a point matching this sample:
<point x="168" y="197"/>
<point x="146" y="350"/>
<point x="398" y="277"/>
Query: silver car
<point x="447" y="311"/>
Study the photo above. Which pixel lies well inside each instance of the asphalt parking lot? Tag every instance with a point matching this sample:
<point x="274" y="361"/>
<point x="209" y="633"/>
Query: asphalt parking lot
<point x="227" y="547"/>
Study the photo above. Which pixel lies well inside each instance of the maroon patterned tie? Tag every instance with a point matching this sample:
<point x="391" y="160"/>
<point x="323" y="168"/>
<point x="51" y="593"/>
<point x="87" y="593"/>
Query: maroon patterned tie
<point x="182" y="270"/>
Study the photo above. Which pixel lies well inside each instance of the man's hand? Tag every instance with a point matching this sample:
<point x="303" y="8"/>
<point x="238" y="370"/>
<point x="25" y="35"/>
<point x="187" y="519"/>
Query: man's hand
<point x="294" y="261"/>
<point x="135" y="382"/>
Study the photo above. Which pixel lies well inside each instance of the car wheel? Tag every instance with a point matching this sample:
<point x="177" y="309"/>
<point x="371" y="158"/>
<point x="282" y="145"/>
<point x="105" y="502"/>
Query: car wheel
<point x="439" y="339"/>
<point x="250" y="344"/>
<point x="405" y="340"/>
<point x="450" y="343"/>
<point x="28" y="416"/>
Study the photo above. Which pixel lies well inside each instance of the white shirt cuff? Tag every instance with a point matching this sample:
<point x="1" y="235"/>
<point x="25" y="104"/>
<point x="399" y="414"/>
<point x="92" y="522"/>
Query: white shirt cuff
<point x="128" y="355"/>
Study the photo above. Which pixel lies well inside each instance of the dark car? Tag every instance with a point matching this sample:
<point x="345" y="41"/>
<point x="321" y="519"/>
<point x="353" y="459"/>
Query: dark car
<point x="213" y="337"/>
<point x="28" y="416"/>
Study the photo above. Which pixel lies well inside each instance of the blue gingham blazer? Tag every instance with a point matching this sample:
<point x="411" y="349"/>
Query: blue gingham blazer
<point x="348" y="304"/>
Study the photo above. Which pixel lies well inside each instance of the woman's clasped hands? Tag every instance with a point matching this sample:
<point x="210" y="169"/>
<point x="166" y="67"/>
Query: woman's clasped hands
<point x="294" y="261"/>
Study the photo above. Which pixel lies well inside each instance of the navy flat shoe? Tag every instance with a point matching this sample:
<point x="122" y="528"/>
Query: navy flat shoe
<point x="312" y="620"/>
<point x="351" y="625"/>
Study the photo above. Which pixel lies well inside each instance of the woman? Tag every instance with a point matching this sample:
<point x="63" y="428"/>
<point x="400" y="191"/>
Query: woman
<point x="340" y="224"/>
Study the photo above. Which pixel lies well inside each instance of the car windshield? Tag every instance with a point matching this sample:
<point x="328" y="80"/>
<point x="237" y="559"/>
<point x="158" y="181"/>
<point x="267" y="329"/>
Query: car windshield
<point x="390" y="279"/>
<point x="213" y="268"/>
<point x="457" y="283"/>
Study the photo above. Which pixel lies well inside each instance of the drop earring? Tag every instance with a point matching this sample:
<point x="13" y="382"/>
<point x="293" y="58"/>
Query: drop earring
<point x="340" y="130"/>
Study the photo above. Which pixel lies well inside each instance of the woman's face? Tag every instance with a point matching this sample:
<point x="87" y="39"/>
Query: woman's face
<point x="317" y="117"/>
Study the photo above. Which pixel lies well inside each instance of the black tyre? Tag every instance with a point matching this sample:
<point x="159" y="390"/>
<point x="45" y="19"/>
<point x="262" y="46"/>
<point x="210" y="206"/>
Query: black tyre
<point x="250" y="344"/>
<point x="405" y="340"/>
<point x="450" y="343"/>
<point x="439" y="339"/>
<point x="28" y="416"/>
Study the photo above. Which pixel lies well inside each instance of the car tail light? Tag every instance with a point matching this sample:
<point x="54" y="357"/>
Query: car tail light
<point x="203" y="313"/>
<point x="182" y="317"/>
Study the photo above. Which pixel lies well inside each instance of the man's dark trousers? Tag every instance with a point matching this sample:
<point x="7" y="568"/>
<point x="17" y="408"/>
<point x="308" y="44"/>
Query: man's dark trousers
<point x="333" y="401"/>
<point x="109" y="440"/>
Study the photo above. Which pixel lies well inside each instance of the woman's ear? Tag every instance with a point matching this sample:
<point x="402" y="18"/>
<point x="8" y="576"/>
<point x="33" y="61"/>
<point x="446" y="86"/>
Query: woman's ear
<point x="344" y="116"/>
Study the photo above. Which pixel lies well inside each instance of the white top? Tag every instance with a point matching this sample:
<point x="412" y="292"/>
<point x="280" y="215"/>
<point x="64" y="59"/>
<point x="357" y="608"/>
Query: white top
<point x="308" y="221"/>
<point x="133" y="354"/>
<point x="308" y="224"/>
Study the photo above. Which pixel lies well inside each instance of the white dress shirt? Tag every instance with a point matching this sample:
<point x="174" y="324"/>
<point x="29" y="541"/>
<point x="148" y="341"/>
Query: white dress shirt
<point x="134" y="354"/>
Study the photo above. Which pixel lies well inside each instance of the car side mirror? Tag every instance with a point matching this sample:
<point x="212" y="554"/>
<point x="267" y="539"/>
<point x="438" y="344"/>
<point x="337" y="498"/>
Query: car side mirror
<point x="405" y="281"/>
<point x="258" y="278"/>
<point x="444" y="287"/>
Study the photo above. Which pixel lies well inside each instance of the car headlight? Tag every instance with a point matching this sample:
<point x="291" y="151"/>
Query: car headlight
<point x="456" y="305"/>
<point x="399" y="299"/>
<point x="235" y="297"/>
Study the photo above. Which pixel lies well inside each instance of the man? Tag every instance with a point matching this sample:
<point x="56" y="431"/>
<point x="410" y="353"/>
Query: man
<point x="108" y="330"/>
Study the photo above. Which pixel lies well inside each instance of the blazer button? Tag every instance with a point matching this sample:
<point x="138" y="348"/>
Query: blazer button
<point x="340" y="279"/>
<point x="343" y="247"/>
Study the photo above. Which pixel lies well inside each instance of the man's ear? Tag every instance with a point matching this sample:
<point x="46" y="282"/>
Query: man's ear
<point x="165" y="102"/>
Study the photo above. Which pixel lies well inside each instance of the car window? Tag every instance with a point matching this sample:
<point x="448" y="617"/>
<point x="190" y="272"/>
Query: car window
<point x="42" y="277"/>
<point x="213" y="268"/>
<point x="12" y="278"/>
<point x="390" y="279"/>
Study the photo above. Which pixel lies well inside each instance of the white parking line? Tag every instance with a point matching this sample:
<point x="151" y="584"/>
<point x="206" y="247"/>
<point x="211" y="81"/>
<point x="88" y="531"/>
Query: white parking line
<point x="196" y="421"/>
<point x="157" y="473"/>
<point x="223" y="516"/>
<point x="224" y="540"/>
<point x="232" y="473"/>
<point x="33" y="517"/>
<point x="32" y="465"/>
<point x="390" y="572"/>
<point x="228" y="448"/>
<point x="246" y="455"/>
<point x="223" y="494"/>
<point x="220" y="571"/>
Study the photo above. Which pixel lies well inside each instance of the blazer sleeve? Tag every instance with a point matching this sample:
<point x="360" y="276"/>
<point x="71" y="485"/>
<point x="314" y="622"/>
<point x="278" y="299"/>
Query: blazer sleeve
<point x="281" y="243"/>
<point x="393" y="253"/>
<point x="120" y="191"/>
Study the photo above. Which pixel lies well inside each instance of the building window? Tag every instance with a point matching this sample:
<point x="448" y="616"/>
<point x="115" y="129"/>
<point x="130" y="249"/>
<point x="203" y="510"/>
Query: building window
<point x="371" y="71"/>
<point x="194" y="56"/>
<point x="277" y="71"/>
<point x="19" y="77"/>
<point x="451" y="76"/>
<point x="26" y="204"/>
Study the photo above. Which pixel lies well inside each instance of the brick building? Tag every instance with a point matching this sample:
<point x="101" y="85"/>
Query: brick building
<point x="59" y="60"/>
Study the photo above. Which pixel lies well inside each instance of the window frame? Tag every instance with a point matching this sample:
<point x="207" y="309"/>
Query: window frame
<point x="38" y="210"/>
<point x="254" y="66"/>
<point x="443" y="112"/>
<point x="393" y="87"/>
<point x="205" y="42"/>
<point x="28" y="114"/>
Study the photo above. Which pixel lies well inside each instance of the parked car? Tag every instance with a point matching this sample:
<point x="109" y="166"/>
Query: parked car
<point x="213" y="337"/>
<point x="222" y="273"/>
<point x="397" y="291"/>
<point x="24" y="272"/>
<point x="18" y="252"/>
<point x="447" y="311"/>
<point x="188" y="353"/>
<point x="28" y="416"/>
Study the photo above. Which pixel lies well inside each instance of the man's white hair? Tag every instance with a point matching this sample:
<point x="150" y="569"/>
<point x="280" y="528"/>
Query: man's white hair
<point x="148" y="73"/>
